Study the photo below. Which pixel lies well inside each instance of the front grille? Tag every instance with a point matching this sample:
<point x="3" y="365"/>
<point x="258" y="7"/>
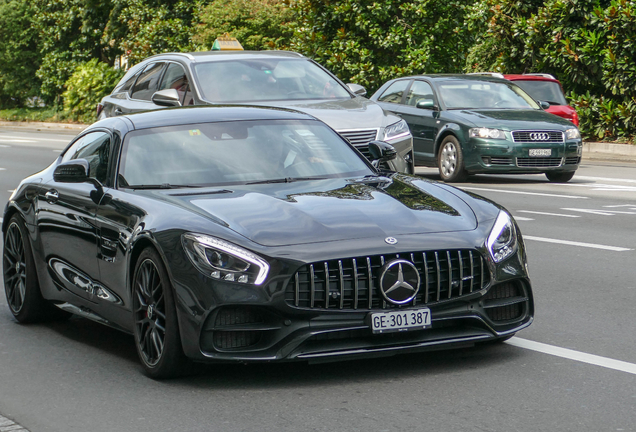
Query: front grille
<point x="537" y="136"/>
<point x="352" y="283"/>
<point x="238" y="317"/>
<point x="539" y="162"/>
<point x="573" y="160"/>
<point x="226" y="340"/>
<point x="504" y="302"/>
<point x="231" y="316"/>
<point x="360" y="139"/>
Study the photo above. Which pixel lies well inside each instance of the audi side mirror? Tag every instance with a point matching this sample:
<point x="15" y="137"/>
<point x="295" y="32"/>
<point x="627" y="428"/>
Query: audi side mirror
<point x="167" y="97"/>
<point x="427" y="104"/>
<point x="381" y="151"/>
<point x="73" y="171"/>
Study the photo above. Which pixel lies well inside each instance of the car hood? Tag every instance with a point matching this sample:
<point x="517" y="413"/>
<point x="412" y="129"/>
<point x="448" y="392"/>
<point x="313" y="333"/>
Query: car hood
<point x="329" y="210"/>
<point x="341" y="114"/>
<point x="513" y="119"/>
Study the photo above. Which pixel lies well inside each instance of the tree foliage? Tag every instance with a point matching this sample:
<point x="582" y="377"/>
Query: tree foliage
<point x="369" y="42"/>
<point x="257" y="24"/>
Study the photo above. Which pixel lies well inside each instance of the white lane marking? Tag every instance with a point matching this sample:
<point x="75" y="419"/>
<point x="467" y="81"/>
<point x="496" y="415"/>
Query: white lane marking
<point x="57" y="151"/>
<point x="35" y="138"/>
<point x="601" y="187"/>
<point x="526" y="193"/>
<point x="573" y="355"/>
<point x="521" y="218"/>
<point x="548" y="214"/>
<point x="606" y="179"/>
<point x="591" y="211"/>
<point x="580" y="244"/>
<point x="2" y="169"/>
<point x="4" y="146"/>
<point x="11" y="190"/>
<point x="620" y="205"/>
<point x="16" y="140"/>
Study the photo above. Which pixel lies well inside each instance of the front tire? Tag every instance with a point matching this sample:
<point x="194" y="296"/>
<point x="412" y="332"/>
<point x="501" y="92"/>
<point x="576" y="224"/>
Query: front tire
<point x="450" y="160"/>
<point x="21" y="284"/>
<point x="156" y="327"/>
<point x="559" y="177"/>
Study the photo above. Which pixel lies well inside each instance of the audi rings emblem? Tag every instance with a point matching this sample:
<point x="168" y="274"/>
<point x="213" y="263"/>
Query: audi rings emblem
<point x="391" y="240"/>
<point x="399" y="281"/>
<point x="539" y="136"/>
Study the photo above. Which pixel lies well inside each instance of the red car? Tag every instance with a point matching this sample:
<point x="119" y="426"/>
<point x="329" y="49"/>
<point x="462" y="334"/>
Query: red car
<point x="545" y="87"/>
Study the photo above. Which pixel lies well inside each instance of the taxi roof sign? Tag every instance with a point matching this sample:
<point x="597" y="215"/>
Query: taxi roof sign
<point x="226" y="43"/>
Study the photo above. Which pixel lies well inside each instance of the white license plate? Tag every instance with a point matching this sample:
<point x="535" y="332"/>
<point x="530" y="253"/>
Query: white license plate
<point x="403" y="320"/>
<point x="540" y="152"/>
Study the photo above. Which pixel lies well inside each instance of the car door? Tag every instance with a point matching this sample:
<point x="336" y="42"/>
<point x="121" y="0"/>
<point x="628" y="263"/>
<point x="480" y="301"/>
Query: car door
<point x="420" y="110"/>
<point x="176" y="78"/>
<point x="66" y="218"/>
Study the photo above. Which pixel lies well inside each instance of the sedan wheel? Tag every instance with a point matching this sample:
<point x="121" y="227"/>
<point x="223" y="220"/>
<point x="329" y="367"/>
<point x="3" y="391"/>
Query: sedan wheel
<point x="451" y="161"/>
<point x="156" y="329"/>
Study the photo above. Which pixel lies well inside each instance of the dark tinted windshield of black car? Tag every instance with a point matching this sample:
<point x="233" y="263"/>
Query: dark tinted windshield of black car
<point x="232" y="81"/>
<point x="548" y="91"/>
<point x="236" y="152"/>
<point x="471" y="94"/>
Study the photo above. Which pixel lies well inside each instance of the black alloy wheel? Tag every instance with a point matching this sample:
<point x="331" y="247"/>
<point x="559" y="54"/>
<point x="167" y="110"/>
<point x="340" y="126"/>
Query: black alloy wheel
<point x="20" y="279"/>
<point x="156" y="328"/>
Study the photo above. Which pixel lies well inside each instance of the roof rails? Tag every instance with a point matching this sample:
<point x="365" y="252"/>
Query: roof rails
<point x="544" y="75"/>
<point x="492" y="74"/>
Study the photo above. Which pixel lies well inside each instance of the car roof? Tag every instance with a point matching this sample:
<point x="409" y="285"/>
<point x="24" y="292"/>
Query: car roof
<point x="205" y="56"/>
<point x="530" y="77"/>
<point x="449" y="77"/>
<point x="211" y="114"/>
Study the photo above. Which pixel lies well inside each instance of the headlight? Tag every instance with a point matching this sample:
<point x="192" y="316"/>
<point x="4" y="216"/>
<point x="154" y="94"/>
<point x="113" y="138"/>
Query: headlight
<point x="219" y="259"/>
<point x="572" y="133"/>
<point x="502" y="241"/>
<point x="486" y="133"/>
<point x="396" y="130"/>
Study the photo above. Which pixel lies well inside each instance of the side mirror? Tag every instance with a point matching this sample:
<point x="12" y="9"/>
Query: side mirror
<point x="73" y="171"/>
<point x="168" y="98"/>
<point x="381" y="151"/>
<point x="357" y="89"/>
<point x="427" y="104"/>
<point x="544" y="105"/>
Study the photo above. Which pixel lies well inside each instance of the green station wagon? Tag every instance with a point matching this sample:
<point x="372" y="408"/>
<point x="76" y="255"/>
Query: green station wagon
<point x="466" y="124"/>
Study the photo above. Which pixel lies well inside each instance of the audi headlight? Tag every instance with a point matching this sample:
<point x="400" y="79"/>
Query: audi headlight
<point x="222" y="260"/>
<point x="502" y="241"/>
<point x="486" y="133"/>
<point x="396" y="130"/>
<point x="572" y="133"/>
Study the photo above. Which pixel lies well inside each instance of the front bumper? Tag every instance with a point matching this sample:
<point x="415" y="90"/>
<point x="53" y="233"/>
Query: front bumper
<point x="506" y="156"/>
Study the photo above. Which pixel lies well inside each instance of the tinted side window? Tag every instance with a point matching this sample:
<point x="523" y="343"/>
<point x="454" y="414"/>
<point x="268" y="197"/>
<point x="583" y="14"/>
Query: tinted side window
<point x="420" y="91"/>
<point x="176" y="78"/>
<point x="95" y="148"/>
<point x="148" y="82"/>
<point x="394" y="93"/>
<point x="128" y="84"/>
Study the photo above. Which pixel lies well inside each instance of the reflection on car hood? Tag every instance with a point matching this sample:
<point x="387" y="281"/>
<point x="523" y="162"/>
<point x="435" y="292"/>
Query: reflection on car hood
<point x="341" y="114"/>
<point x="335" y="209"/>
<point x="513" y="119"/>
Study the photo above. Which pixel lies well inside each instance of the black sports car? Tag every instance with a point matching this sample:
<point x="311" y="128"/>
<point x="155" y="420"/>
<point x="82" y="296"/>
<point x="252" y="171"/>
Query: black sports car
<point x="257" y="234"/>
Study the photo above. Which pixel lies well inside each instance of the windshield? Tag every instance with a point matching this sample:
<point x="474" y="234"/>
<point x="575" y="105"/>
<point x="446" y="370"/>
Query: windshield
<point x="233" y="81"/>
<point x="236" y="152"/>
<point x="548" y="91"/>
<point x="470" y="94"/>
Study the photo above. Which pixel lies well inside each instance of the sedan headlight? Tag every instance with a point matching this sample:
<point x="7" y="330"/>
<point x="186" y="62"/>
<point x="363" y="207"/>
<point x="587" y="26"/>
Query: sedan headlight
<point x="572" y="133"/>
<point x="487" y="133"/>
<point x="396" y="130"/>
<point x="502" y="241"/>
<point x="220" y="259"/>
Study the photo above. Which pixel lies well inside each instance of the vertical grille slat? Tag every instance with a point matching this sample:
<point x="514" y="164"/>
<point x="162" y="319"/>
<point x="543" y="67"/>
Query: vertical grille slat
<point x="444" y="275"/>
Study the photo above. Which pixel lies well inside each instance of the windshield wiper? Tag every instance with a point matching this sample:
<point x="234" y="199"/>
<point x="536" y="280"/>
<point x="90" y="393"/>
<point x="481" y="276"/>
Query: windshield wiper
<point x="161" y="186"/>
<point x="285" y="180"/>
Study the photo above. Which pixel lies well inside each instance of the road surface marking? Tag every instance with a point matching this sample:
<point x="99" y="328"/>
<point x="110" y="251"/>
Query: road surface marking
<point x="526" y="193"/>
<point x="2" y="169"/>
<point x="573" y="355"/>
<point x="521" y="218"/>
<point x="9" y="425"/>
<point x="580" y="244"/>
<point x="2" y="137"/>
<point x="606" y="179"/>
<point x="548" y="214"/>
<point x="602" y="187"/>
<point x="620" y="205"/>
<point x="591" y="211"/>
<point x="4" y="146"/>
<point x="15" y="140"/>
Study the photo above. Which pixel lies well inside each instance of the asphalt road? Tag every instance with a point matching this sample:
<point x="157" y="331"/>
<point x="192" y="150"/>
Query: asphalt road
<point x="574" y="369"/>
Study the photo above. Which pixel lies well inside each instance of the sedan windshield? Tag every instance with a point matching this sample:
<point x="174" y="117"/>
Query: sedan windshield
<point x="236" y="152"/>
<point x="470" y="94"/>
<point x="233" y="81"/>
<point x="548" y="91"/>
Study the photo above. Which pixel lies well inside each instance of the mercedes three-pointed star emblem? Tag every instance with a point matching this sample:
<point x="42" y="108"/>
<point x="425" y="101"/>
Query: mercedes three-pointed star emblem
<point x="399" y="281"/>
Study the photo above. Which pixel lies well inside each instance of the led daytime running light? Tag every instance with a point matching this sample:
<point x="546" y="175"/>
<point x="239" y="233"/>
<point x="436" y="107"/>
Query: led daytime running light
<point x="506" y="249"/>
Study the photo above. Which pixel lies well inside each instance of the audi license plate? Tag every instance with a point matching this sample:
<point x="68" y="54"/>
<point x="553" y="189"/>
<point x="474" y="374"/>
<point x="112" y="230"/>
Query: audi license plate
<point x="408" y="319"/>
<point x="540" y="152"/>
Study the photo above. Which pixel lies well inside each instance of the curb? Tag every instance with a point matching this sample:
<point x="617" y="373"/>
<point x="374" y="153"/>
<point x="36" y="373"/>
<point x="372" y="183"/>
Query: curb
<point x="44" y="126"/>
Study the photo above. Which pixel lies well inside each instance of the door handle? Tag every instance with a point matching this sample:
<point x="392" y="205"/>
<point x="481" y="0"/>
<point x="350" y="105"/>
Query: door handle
<point x="118" y="111"/>
<point x="52" y="196"/>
